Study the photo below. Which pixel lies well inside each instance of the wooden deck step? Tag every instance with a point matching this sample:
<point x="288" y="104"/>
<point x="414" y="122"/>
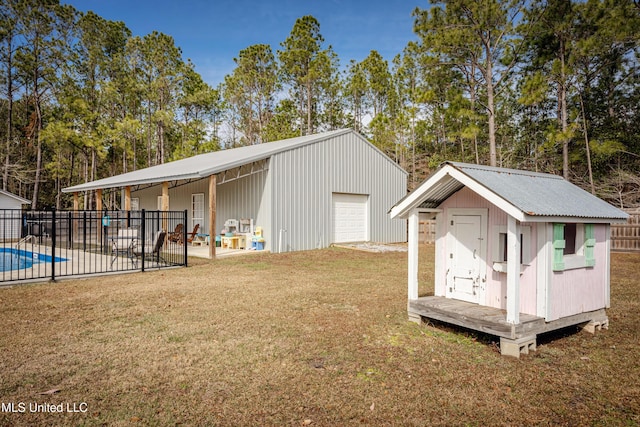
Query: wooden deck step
<point x="493" y="321"/>
<point x="480" y="318"/>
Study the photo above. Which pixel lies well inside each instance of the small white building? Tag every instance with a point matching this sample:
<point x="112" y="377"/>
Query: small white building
<point x="518" y="253"/>
<point x="11" y="215"/>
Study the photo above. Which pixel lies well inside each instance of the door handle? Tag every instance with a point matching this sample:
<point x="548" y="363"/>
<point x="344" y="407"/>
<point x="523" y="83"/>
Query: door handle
<point x="474" y="253"/>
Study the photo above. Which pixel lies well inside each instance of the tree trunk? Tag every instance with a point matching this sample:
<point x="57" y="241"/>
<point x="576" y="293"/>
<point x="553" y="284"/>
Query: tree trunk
<point x="493" y="156"/>
<point x="38" y="129"/>
<point x="309" y="103"/>
<point x="586" y="145"/>
<point x="7" y="159"/>
<point x="564" y="115"/>
<point x="36" y="184"/>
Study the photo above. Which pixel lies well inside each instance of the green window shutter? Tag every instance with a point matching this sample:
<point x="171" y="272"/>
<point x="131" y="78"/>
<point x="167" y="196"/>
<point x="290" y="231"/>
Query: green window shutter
<point x="589" y="245"/>
<point x="558" y="247"/>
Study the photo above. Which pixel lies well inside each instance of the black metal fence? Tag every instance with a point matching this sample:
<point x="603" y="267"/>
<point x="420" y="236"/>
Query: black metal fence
<point x="54" y="244"/>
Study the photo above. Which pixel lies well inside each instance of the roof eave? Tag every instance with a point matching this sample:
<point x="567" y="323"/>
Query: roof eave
<point x="571" y="219"/>
<point x="96" y="185"/>
<point x="403" y="208"/>
<point x="16" y="197"/>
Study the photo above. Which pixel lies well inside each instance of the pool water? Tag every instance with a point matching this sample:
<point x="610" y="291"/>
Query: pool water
<point x="17" y="259"/>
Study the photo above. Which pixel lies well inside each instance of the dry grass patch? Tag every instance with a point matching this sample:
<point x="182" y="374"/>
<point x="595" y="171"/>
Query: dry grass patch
<point x="316" y="337"/>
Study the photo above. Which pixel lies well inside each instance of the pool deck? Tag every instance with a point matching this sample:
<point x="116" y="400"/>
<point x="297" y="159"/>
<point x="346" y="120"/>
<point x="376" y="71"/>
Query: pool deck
<point x="79" y="263"/>
<point x="76" y="263"/>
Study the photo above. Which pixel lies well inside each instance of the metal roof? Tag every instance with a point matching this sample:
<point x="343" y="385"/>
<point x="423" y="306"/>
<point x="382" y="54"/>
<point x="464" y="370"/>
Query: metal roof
<point x="204" y="165"/>
<point x="16" y="197"/>
<point x="533" y="194"/>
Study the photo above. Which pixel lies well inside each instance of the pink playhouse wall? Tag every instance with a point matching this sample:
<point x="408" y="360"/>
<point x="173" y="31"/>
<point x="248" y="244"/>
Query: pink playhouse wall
<point x="582" y="289"/>
<point x="570" y="292"/>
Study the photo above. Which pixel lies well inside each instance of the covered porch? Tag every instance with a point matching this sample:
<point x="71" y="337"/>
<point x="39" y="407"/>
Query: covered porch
<point x="156" y="187"/>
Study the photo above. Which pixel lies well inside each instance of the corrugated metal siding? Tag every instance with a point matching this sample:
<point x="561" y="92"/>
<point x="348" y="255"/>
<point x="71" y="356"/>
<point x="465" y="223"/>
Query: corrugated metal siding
<point x="305" y="178"/>
<point x="242" y="199"/>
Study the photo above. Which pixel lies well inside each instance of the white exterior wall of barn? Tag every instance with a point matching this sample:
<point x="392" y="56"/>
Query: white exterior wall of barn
<point x="304" y="181"/>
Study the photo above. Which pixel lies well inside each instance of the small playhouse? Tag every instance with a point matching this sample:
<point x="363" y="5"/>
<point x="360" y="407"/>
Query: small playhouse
<point x="517" y="253"/>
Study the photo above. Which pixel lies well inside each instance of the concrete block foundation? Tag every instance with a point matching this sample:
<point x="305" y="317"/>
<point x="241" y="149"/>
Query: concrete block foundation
<point x="518" y="346"/>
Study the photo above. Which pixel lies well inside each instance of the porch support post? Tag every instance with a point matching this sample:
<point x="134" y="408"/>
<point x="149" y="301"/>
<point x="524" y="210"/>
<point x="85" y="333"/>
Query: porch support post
<point x="513" y="271"/>
<point x="212" y="216"/>
<point x="414" y="219"/>
<point x="165" y="205"/>
<point x="127" y="198"/>
<point x="99" y="199"/>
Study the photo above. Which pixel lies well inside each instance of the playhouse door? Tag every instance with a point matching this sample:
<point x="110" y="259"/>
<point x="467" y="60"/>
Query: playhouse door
<point x="465" y="257"/>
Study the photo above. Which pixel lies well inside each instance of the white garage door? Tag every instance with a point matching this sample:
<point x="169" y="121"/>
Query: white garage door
<point x="350" y="217"/>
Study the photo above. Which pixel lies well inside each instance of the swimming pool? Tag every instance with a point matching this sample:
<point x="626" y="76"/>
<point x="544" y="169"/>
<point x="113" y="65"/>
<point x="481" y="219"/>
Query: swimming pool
<point x="17" y="259"/>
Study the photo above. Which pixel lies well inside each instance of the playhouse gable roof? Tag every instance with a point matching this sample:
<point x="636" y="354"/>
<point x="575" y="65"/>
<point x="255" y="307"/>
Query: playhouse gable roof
<point x="526" y="196"/>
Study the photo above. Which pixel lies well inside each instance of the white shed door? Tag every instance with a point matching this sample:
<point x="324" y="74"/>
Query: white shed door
<point x="350" y="217"/>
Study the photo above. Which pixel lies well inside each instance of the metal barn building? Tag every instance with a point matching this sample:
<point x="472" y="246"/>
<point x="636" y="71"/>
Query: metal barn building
<point x="305" y="193"/>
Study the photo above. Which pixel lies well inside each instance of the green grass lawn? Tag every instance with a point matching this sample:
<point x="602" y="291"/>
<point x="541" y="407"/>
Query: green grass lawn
<point x="308" y="338"/>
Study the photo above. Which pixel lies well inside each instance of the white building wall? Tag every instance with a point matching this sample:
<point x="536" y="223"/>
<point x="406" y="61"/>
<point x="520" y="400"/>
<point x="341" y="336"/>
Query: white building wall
<point x="11" y="218"/>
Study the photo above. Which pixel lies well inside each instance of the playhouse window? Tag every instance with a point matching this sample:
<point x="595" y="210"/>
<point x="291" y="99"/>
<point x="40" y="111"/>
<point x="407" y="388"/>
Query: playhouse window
<point x="500" y="248"/>
<point x="570" y="235"/>
<point x="573" y="246"/>
<point x="503" y="247"/>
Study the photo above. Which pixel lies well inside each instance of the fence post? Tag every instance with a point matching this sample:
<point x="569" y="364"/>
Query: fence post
<point x="53" y="245"/>
<point x="70" y="235"/>
<point x="184" y="238"/>
<point x="144" y="235"/>
<point x="84" y="230"/>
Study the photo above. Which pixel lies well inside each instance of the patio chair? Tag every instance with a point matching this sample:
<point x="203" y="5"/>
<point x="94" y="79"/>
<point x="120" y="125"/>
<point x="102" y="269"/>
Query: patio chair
<point x="176" y="235"/>
<point x="123" y="244"/>
<point x="153" y="249"/>
<point x="192" y="235"/>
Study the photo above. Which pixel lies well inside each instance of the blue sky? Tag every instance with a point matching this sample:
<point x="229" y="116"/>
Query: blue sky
<point x="212" y="32"/>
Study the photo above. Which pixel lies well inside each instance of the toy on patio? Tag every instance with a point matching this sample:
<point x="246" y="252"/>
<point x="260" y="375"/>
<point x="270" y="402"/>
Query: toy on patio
<point x="240" y="235"/>
<point x="257" y="241"/>
<point x="231" y="237"/>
